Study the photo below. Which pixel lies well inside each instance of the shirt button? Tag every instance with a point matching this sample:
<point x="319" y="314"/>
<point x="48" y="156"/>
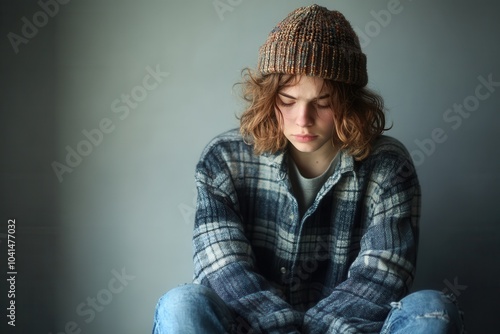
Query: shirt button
<point x="283" y="270"/>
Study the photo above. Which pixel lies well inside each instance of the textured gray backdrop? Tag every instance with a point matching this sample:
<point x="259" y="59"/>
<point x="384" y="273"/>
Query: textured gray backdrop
<point x="106" y="105"/>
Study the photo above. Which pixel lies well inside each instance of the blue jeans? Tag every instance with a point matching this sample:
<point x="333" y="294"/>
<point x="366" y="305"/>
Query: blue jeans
<point x="197" y="309"/>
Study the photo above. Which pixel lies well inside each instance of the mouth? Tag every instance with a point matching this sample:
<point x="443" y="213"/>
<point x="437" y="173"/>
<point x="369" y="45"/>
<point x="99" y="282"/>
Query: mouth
<point x="305" y="138"/>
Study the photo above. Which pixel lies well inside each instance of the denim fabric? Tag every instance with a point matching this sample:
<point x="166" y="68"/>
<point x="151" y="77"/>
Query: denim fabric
<point x="424" y="312"/>
<point x="194" y="308"/>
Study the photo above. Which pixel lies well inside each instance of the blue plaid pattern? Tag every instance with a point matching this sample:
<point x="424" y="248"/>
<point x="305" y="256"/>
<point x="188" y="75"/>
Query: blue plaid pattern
<point x="335" y="269"/>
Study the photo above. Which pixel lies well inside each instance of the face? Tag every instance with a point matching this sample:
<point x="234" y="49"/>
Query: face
<point x="307" y="117"/>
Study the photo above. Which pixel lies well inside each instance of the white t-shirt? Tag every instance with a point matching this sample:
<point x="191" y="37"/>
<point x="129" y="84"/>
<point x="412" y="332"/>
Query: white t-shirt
<point x="306" y="189"/>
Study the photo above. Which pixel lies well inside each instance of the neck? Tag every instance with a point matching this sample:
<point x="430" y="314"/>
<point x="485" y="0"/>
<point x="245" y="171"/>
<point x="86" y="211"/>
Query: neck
<point x="313" y="164"/>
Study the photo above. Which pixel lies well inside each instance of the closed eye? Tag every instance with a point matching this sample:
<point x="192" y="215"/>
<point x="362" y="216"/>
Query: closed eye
<point x="285" y="104"/>
<point x="322" y="106"/>
<point x="289" y="101"/>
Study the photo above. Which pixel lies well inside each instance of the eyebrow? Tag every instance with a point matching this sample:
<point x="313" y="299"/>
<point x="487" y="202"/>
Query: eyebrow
<point x="294" y="98"/>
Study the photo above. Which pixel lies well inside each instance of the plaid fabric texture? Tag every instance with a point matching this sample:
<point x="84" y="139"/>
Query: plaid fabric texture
<point x="334" y="270"/>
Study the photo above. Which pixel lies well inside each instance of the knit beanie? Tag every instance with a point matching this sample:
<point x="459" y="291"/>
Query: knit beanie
<point x="314" y="41"/>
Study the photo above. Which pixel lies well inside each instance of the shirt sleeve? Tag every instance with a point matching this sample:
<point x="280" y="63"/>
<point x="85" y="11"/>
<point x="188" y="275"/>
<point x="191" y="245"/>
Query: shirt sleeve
<point x="384" y="269"/>
<point x="223" y="256"/>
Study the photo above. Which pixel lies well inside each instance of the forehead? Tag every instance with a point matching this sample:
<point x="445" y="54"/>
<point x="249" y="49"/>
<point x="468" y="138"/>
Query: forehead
<point x="305" y="87"/>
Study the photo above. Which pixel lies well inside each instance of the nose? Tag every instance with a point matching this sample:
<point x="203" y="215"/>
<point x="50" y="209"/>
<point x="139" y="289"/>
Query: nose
<point x="305" y="116"/>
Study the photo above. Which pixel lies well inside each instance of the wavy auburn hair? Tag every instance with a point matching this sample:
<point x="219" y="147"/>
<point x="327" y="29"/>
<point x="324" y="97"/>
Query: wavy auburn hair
<point x="358" y="114"/>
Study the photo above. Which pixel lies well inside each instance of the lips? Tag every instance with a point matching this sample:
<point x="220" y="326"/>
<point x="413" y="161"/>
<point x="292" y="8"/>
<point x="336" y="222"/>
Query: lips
<point x="305" y="138"/>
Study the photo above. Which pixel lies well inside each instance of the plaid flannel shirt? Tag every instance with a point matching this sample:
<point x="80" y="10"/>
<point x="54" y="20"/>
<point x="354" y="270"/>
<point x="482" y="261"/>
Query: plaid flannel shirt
<point x="334" y="270"/>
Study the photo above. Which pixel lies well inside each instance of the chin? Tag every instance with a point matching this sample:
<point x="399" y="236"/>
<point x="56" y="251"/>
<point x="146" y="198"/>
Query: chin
<point x="305" y="149"/>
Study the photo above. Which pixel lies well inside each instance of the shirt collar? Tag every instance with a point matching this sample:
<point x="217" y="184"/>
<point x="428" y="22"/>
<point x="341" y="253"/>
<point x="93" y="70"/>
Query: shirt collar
<point x="279" y="161"/>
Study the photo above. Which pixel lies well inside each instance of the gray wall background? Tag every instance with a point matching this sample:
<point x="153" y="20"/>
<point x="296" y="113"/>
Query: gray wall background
<point x="127" y="206"/>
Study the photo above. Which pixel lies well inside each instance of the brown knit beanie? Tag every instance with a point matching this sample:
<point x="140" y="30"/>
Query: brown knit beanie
<point x="314" y="41"/>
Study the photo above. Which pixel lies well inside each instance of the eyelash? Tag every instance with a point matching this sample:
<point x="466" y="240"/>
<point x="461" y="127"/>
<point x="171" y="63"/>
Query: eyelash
<point x="285" y="104"/>
<point x="319" y="106"/>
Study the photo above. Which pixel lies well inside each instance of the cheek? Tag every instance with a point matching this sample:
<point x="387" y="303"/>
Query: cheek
<point x="326" y="119"/>
<point x="287" y="124"/>
<point x="280" y="119"/>
<point x="277" y="113"/>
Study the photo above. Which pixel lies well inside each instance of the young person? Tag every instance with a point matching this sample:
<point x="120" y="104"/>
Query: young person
<point x="307" y="216"/>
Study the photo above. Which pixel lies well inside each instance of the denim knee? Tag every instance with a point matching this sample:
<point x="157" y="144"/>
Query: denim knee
<point x="430" y="311"/>
<point x="184" y="298"/>
<point x="188" y="308"/>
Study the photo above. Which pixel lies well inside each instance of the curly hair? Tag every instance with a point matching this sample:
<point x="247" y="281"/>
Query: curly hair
<point x="358" y="114"/>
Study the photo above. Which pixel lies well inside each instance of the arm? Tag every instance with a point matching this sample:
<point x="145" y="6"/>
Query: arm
<point x="224" y="259"/>
<point x="384" y="268"/>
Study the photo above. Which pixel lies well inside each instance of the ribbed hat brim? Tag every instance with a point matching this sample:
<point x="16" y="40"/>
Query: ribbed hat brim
<point x="313" y="59"/>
